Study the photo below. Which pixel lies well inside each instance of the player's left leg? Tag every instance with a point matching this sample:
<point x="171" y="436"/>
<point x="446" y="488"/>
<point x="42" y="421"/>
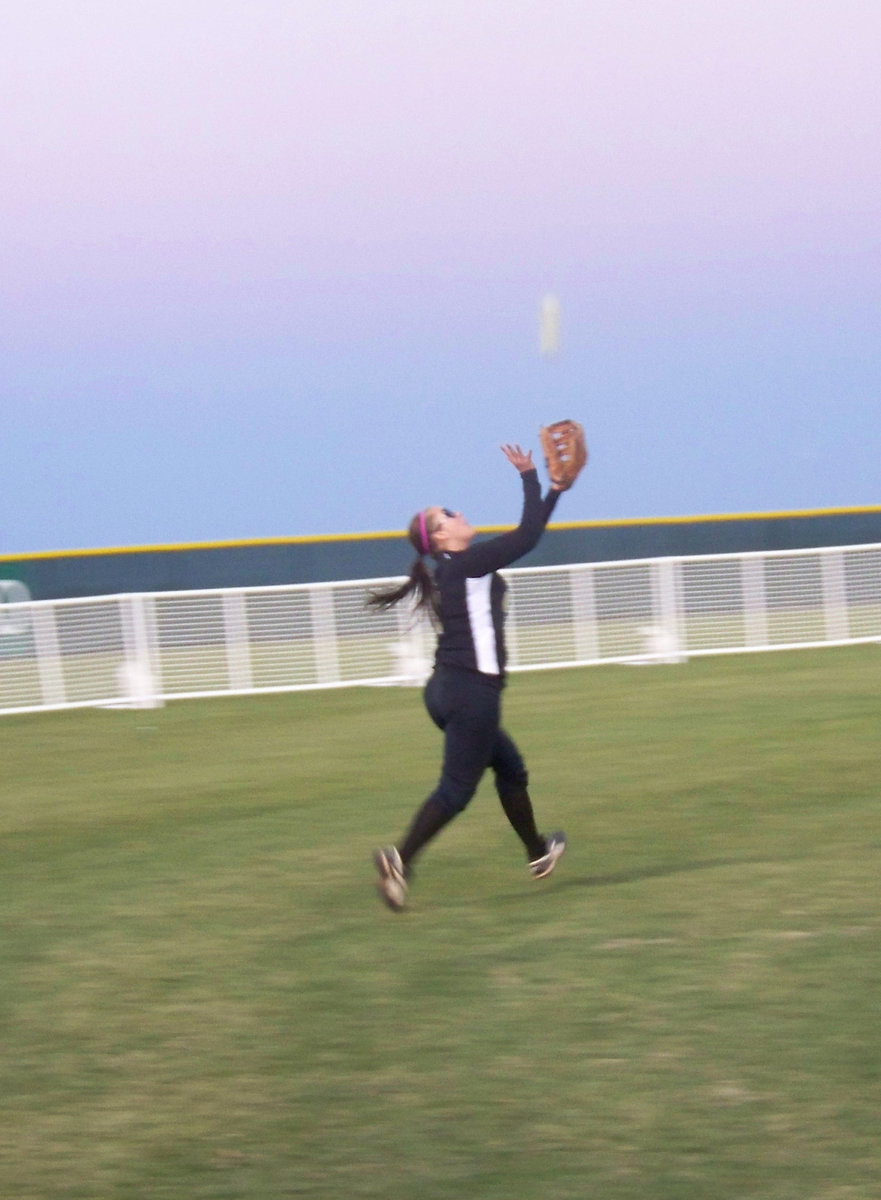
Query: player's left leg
<point x="512" y="781"/>
<point x="468" y="713"/>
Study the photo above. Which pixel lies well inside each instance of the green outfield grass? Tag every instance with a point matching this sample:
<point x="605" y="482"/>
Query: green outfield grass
<point x="203" y="997"/>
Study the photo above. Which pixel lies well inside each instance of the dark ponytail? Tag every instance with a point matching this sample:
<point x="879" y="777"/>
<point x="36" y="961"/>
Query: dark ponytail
<point x="419" y="583"/>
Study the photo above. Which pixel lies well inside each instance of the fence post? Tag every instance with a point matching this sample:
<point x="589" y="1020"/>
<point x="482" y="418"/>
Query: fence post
<point x="411" y="653"/>
<point x="666" y="643"/>
<point x="137" y="678"/>
<point x="237" y="643"/>
<point x="327" y="661"/>
<point x="48" y="655"/>
<point x="835" y="615"/>
<point x="584" y="615"/>
<point x="512" y="641"/>
<point x="755" y="616"/>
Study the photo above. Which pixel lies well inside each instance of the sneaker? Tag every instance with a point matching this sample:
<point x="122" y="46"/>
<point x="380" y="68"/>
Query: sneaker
<point x="392" y="884"/>
<point x="540" y="867"/>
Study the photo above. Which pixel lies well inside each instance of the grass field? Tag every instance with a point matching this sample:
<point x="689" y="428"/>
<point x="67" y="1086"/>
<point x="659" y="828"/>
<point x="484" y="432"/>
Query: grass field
<point x="203" y="997"/>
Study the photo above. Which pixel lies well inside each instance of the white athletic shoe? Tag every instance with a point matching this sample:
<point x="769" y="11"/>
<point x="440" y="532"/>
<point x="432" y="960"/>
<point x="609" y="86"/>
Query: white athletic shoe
<point x="392" y="883"/>
<point x="540" y="867"/>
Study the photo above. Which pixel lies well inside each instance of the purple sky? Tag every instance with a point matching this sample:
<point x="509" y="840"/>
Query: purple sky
<point x="274" y="269"/>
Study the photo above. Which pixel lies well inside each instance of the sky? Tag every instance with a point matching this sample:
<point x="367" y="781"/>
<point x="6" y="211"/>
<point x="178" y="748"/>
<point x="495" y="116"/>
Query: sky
<point x="273" y="268"/>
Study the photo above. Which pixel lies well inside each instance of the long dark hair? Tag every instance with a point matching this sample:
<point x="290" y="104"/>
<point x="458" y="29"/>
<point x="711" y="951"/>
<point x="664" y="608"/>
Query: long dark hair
<point x="420" y="582"/>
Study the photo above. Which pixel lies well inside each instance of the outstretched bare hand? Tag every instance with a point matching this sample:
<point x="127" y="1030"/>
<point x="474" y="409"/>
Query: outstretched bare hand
<point x="518" y="458"/>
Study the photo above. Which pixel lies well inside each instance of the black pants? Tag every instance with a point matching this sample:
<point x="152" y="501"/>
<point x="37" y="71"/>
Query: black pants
<point x="468" y="709"/>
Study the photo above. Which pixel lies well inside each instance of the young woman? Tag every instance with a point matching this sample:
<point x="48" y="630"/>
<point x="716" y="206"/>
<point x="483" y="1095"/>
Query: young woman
<point x="466" y="598"/>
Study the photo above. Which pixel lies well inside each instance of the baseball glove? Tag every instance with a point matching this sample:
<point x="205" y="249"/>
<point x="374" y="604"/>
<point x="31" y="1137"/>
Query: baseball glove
<point x="565" y="452"/>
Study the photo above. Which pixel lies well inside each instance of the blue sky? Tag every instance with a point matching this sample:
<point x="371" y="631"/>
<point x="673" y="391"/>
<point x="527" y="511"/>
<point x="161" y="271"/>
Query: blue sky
<point x="274" y="268"/>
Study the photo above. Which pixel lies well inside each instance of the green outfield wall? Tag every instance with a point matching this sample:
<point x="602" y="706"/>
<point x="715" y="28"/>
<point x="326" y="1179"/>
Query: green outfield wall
<point x="64" y="574"/>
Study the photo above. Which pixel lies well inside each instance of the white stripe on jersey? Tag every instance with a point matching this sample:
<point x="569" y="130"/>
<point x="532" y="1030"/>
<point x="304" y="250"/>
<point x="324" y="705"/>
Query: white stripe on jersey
<point x="480" y="617"/>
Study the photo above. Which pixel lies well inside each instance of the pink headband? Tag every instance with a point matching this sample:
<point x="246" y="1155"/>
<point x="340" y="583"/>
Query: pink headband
<point x="423" y="533"/>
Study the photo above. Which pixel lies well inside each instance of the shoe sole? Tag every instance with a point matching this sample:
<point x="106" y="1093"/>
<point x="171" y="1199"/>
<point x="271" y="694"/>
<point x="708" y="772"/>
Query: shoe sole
<point x="392" y="890"/>
<point x="553" y="857"/>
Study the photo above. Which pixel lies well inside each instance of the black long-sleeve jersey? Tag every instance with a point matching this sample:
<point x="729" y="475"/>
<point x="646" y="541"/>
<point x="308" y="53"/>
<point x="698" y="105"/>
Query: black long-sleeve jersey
<point x="472" y="596"/>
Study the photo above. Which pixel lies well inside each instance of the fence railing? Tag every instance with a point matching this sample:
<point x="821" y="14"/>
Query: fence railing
<point x="146" y="648"/>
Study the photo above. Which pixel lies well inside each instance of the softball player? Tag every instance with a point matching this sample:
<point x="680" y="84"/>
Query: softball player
<point x="466" y="597"/>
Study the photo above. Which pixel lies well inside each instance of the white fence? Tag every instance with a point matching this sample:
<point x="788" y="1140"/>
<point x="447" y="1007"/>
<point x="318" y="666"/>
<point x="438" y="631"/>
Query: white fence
<point x="143" y="649"/>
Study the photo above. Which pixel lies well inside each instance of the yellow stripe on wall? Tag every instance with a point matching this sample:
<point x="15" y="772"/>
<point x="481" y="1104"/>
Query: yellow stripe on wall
<point x="315" y="539"/>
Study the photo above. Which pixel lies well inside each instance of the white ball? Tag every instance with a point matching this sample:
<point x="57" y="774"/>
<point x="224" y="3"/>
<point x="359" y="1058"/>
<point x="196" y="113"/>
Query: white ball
<point x="549" y="325"/>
